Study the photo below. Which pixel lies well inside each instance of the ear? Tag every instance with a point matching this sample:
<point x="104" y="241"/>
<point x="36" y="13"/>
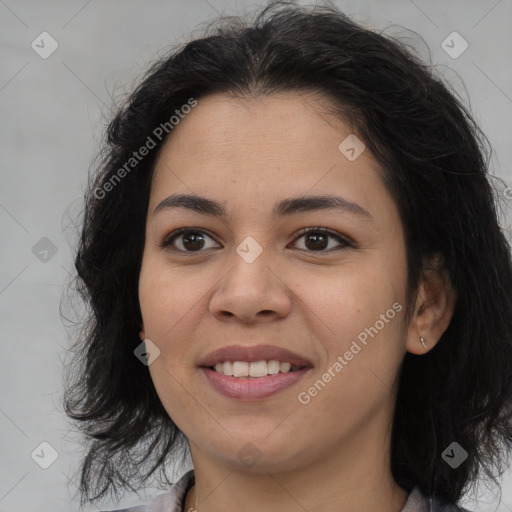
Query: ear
<point x="433" y="310"/>
<point x="142" y="334"/>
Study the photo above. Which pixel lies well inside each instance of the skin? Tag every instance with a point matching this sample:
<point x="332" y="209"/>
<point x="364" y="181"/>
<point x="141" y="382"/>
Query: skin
<point x="331" y="454"/>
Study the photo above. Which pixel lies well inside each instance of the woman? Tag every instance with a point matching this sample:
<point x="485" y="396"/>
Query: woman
<point x="295" y="271"/>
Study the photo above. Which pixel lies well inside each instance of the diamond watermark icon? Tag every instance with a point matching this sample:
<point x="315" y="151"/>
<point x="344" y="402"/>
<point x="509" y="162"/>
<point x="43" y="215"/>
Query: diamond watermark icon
<point x="249" y="249"/>
<point x="249" y="454"/>
<point x="351" y="147"/>
<point x="454" y="45"/>
<point x="44" y="45"/>
<point x="44" y="455"/>
<point x="44" y="250"/>
<point x="454" y="455"/>
<point x="147" y="352"/>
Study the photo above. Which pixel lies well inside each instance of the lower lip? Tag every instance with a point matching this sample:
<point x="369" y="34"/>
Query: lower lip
<point x="252" y="388"/>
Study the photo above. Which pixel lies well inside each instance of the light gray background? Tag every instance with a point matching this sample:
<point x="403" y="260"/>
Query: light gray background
<point x="52" y="116"/>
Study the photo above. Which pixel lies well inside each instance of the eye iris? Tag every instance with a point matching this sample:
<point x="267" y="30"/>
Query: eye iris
<point x="320" y="240"/>
<point x="193" y="237"/>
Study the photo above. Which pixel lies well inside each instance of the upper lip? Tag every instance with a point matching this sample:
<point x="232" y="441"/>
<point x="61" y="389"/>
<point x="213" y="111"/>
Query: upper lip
<point x="253" y="353"/>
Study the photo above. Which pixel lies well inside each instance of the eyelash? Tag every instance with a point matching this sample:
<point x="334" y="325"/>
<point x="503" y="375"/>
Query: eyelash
<point x="167" y="242"/>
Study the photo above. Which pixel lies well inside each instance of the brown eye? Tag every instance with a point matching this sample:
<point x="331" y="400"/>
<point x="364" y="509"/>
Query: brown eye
<point x="187" y="240"/>
<point x="317" y="240"/>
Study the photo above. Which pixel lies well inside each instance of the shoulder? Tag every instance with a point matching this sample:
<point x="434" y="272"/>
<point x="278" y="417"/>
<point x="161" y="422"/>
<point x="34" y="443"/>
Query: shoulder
<point x="417" y="502"/>
<point x="170" y="501"/>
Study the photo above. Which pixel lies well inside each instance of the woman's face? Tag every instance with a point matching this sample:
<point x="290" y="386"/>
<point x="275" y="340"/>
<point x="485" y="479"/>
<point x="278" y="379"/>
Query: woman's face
<point x="248" y="276"/>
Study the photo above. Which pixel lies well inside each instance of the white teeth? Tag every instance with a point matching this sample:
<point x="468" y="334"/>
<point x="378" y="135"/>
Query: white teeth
<point x="227" y="368"/>
<point x="273" y="367"/>
<point x="240" y="369"/>
<point x="253" y="369"/>
<point x="258" y="369"/>
<point x="284" y="367"/>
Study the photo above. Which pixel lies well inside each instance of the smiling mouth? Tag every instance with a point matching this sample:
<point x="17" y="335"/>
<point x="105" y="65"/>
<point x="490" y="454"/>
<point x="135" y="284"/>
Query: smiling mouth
<point x="254" y="369"/>
<point x="258" y="386"/>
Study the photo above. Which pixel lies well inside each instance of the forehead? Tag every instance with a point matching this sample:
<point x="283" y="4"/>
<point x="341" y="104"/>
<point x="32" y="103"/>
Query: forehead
<point x="220" y="124"/>
<point x="269" y="146"/>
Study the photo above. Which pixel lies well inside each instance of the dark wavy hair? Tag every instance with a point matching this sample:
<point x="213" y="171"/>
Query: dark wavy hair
<point x="435" y="161"/>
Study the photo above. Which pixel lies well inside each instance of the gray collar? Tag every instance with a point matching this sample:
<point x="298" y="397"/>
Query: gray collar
<point x="174" y="500"/>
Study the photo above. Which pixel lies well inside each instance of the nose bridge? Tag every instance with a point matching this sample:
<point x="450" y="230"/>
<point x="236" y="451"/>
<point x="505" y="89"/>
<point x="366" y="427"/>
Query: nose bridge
<point x="251" y="265"/>
<point x="251" y="285"/>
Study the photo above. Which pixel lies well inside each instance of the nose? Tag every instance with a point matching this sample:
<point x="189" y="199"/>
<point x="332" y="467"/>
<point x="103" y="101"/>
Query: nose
<point x="251" y="292"/>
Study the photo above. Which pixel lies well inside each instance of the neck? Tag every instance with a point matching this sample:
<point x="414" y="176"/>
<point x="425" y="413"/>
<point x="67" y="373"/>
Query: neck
<point x="349" y="478"/>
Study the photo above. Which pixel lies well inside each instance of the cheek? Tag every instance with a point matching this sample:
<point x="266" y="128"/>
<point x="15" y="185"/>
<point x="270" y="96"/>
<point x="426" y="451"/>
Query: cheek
<point x="352" y="298"/>
<point x="360" y="332"/>
<point x="168" y="298"/>
<point x="357" y="315"/>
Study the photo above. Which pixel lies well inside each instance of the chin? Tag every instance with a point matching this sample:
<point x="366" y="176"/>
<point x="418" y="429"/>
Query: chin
<point x="259" y="454"/>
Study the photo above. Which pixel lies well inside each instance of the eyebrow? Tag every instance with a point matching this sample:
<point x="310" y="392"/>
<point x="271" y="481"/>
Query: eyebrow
<point x="283" y="208"/>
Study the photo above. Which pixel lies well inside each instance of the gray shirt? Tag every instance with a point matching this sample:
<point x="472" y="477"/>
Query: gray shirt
<point x="173" y="500"/>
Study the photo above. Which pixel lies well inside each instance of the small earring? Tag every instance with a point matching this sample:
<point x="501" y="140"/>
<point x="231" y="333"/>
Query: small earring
<point x="423" y="342"/>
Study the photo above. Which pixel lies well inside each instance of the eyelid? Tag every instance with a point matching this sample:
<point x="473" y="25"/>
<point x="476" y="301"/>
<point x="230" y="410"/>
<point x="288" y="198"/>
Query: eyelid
<point x="174" y="234"/>
<point x="344" y="240"/>
<point x="327" y="231"/>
